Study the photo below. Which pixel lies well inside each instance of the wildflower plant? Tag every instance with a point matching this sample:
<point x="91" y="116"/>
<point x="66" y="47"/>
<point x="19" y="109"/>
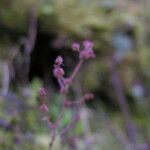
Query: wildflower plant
<point x="85" y="52"/>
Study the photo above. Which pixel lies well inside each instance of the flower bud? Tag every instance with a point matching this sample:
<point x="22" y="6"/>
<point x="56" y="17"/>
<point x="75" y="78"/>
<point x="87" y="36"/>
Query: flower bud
<point x="87" y="51"/>
<point x="59" y="60"/>
<point x="86" y="54"/>
<point x="75" y="47"/>
<point x="58" y="72"/>
<point x="87" y="44"/>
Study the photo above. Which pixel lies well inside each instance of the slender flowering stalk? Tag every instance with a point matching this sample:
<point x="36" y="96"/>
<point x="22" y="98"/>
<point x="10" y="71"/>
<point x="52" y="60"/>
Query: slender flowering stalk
<point x="85" y="52"/>
<point x="86" y="97"/>
<point x="76" y="70"/>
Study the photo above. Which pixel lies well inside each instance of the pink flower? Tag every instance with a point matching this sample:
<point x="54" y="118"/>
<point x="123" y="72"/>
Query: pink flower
<point x="59" y="60"/>
<point x="86" y="54"/>
<point x="44" y="108"/>
<point x="87" y="44"/>
<point x="75" y="47"/>
<point x="42" y="93"/>
<point x="58" y="72"/>
<point x="87" y="51"/>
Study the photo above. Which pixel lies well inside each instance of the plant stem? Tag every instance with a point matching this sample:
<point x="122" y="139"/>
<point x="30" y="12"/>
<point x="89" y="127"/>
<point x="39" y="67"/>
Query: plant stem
<point x="52" y="140"/>
<point x="118" y="88"/>
<point x="76" y="70"/>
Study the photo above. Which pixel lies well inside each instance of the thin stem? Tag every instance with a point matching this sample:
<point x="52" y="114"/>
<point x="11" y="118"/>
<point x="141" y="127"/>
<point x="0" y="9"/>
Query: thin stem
<point x="52" y="140"/>
<point x="78" y="102"/>
<point x="69" y="126"/>
<point x="76" y="70"/>
<point x="62" y="111"/>
<point x="60" y="83"/>
<point x="118" y="88"/>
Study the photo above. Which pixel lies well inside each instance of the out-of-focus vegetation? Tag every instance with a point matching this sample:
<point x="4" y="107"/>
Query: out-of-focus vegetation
<point x="34" y="32"/>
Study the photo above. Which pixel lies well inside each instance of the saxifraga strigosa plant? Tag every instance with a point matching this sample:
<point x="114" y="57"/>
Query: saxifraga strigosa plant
<point x="85" y="52"/>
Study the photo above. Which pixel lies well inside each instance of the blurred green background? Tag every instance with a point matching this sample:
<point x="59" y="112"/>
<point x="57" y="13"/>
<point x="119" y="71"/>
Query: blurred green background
<point x="34" y="32"/>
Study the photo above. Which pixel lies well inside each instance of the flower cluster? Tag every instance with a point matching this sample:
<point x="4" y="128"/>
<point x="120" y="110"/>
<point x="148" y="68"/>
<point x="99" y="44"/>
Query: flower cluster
<point x="86" y="52"/>
<point x="58" y="71"/>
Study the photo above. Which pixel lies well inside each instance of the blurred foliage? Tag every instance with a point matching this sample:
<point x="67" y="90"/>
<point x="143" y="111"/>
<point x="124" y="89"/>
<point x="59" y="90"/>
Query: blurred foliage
<point x="71" y="20"/>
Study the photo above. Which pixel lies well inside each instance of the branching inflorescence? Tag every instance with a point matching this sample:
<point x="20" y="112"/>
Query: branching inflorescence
<point x="85" y="52"/>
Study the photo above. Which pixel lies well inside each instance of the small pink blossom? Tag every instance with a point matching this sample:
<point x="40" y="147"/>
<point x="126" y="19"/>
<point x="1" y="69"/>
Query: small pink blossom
<point x="88" y="44"/>
<point x="42" y="93"/>
<point x="86" y="54"/>
<point x="87" y="51"/>
<point x="44" y="108"/>
<point x="59" y="60"/>
<point x="75" y="47"/>
<point x="58" y="72"/>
